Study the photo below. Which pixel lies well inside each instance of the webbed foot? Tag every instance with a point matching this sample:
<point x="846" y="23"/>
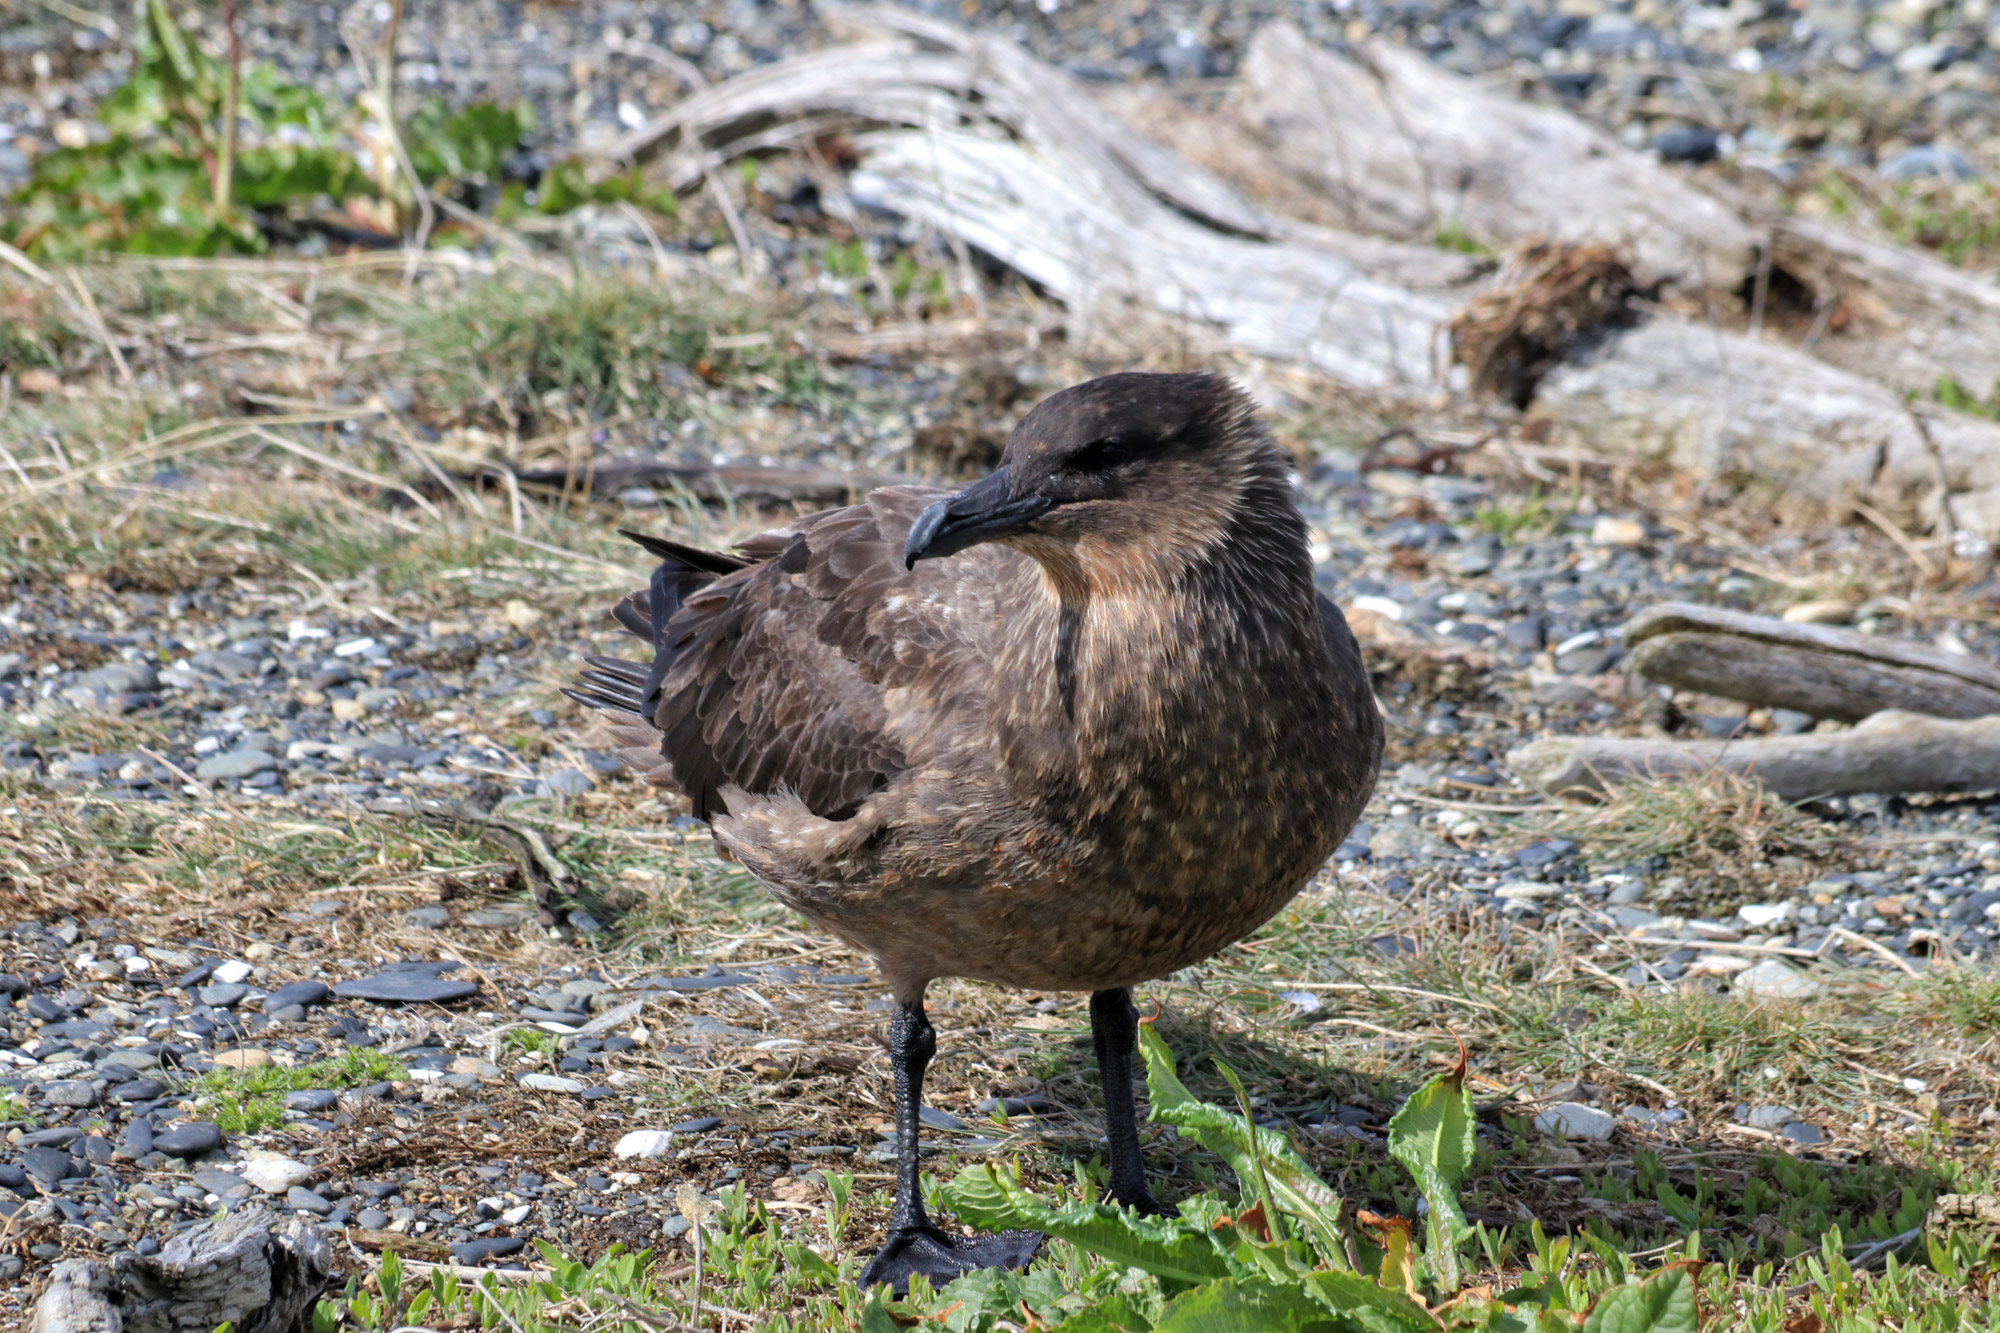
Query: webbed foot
<point x="940" y="1257"/>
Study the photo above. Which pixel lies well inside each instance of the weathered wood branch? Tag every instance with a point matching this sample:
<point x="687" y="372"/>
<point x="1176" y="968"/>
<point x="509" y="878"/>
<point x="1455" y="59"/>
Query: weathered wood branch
<point x="244" y="1268"/>
<point x="1410" y="149"/>
<point x="1912" y="319"/>
<point x="1747" y="412"/>
<point x="1816" y="669"/>
<point x="1889" y="752"/>
<point x="1004" y="153"/>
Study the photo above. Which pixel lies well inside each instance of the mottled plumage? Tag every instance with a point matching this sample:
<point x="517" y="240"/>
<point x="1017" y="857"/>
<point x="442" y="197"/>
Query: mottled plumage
<point x="1116" y="730"/>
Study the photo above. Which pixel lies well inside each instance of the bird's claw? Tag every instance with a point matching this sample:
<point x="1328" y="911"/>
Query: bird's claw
<point x="1140" y="1201"/>
<point x="941" y="1257"/>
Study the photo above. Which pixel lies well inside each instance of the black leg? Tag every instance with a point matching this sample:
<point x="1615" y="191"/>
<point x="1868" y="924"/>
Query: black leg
<point x="914" y="1244"/>
<point x="1114" y="1031"/>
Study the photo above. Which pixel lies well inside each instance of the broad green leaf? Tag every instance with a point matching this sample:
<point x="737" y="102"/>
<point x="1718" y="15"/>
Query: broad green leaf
<point x="271" y="177"/>
<point x="1432" y="1136"/>
<point x="1677" y="1207"/>
<point x="1292" y="1183"/>
<point x="1118" y="1313"/>
<point x="1254" y="1305"/>
<point x="1353" y="1294"/>
<point x="875" y="1316"/>
<point x="1170" y="1248"/>
<point x="1663" y="1303"/>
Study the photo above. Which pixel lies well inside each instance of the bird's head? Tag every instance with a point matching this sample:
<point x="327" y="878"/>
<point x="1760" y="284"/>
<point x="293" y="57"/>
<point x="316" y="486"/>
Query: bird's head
<point x="1131" y="462"/>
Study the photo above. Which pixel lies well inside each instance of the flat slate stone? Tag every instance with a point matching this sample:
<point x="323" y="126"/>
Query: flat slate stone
<point x="47" y="1164"/>
<point x="190" y="1139"/>
<point x="715" y="982"/>
<point x="405" y="987"/>
<point x="303" y="993"/>
<point x="493" y="1247"/>
<point x="222" y="1183"/>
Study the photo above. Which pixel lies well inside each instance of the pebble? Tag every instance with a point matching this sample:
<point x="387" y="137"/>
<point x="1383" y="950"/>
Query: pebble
<point x="72" y="1093"/>
<point x="405" y="988"/>
<point x="274" y="1175"/>
<point x="1773" y="979"/>
<point x="1574" y="1120"/>
<point x="645" y="1143"/>
<point x="550" y="1083"/>
<point x="305" y="994"/>
<point x="300" y="1198"/>
<point x="236" y="764"/>
<point x="189" y="1139"/>
<point x="1922" y="161"/>
<point x="492" y="1247"/>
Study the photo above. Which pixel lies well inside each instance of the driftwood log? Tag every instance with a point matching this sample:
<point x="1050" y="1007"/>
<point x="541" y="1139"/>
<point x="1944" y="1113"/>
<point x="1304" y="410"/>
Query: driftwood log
<point x="245" y="1268"/>
<point x="1889" y="752"/>
<point x="1816" y="669"/>
<point x="975" y="138"/>
<point x="1413" y="150"/>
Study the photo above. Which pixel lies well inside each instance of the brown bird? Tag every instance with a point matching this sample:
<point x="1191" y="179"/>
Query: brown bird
<point x="1115" y="732"/>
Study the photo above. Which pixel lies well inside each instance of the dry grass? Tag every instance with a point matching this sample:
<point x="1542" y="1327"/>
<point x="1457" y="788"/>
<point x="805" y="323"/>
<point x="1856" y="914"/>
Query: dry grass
<point x="1712" y="822"/>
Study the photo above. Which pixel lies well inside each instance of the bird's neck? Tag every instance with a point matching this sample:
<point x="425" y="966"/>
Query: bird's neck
<point x="1115" y="653"/>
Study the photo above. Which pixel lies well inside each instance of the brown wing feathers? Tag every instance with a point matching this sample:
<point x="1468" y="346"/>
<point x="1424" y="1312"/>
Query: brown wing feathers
<point x="762" y="679"/>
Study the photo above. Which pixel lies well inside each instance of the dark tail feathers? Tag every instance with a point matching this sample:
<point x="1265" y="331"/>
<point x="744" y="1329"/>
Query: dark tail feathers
<point x="628" y="687"/>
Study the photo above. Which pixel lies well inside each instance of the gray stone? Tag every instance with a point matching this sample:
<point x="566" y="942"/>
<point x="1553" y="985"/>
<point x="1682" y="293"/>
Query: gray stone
<point x="405" y="988"/>
<point x="300" y="1198"/>
<point x="223" y="663"/>
<point x="371" y="1219"/>
<point x="189" y="1139"/>
<point x="427" y="918"/>
<point x="492" y="1247"/>
<point x="312" y="1100"/>
<point x="568" y="782"/>
<point x="1769" y="1117"/>
<point x="1574" y="1120"/>
<point x="1773" y="979"/>
<point x="235" y="764"/>
<point x="302" y="993"/>
<point x="1801" y="1132"/>
<point x="47" y="1165"/>
<point x="223" y="1184"/>
<point x="224" y="995"/>
<point x="70" y="1092"/>
<point x="1922" y="161"/>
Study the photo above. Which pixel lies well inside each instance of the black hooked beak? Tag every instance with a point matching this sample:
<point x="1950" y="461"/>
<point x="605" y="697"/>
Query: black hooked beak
<point x="979" y="513"/>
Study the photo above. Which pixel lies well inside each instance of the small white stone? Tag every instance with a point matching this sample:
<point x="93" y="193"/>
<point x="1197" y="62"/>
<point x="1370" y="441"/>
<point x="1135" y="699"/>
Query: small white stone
<point x="516" y="1215"/>
<point x="426" y="1075"/>
<point x="353" y="647"/>
<point x="1767" y="914"/>
<point x="233" y="971"/>
<point x="1772" y="979"/>
<point x="275" y="1175"/>
<point x="1385" y="607"/>
<point x="1574" y="1120"/>
<point x="136" y="964"/>
<point x="1609" y="531"/>
<point x="1524" y="890"/>
<point x="645" y="1143"/>
<point x="550" y="1083"/>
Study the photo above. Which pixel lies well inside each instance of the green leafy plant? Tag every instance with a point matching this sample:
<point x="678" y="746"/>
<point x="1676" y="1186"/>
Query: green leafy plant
<point x="1285" y="1258"/>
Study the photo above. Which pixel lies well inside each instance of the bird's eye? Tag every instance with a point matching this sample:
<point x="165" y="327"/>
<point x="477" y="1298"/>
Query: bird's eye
<point x="1099" y="455"/>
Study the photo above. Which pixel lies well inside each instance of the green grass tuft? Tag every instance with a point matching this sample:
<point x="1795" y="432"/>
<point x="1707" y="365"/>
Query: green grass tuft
<point x="248" y="1101"/>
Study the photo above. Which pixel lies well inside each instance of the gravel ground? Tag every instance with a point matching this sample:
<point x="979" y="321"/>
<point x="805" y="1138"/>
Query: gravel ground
<point x="253" y="701"/>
